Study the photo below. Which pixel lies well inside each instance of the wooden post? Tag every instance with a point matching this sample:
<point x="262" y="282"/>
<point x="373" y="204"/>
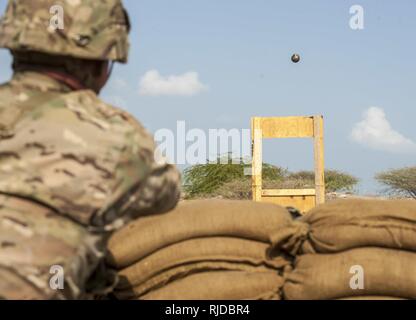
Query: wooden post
<point x="319" y="159"/>
<point x="257" y="158"/>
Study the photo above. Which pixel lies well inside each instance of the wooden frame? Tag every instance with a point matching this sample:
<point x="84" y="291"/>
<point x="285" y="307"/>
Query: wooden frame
<point x="289" y="127"/>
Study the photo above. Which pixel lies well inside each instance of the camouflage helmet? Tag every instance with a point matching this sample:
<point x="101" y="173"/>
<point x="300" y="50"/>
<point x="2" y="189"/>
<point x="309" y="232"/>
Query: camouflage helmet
<point x="85" y="29"/>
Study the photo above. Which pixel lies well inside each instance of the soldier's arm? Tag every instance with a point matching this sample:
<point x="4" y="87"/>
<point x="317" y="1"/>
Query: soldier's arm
<point x="160" y="192"/>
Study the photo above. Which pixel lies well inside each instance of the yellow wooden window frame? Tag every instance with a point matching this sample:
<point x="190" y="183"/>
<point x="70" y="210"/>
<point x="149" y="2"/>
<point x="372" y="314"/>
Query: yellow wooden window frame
<point x="289" y="127"/>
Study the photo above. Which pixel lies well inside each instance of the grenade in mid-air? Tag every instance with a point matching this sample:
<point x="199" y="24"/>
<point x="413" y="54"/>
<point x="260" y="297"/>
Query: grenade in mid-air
<point x="295" y="58"/>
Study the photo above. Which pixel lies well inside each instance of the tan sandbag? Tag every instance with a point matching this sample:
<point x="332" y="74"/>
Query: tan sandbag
<point x="347" y="224"/>
<point x="387" y="272"/>
<point x="195" y="219"/>
<point x="221" y="249"/>
<point x="222" y="285"/>
<point x="163" y="279"/>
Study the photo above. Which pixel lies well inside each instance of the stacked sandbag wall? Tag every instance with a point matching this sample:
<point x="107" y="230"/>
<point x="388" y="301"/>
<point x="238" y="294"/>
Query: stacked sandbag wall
<point x="352" y="249"/>
<point x="204" y="249"/>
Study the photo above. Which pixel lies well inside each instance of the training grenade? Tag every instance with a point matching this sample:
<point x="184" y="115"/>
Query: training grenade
<point x="295" y="58"/>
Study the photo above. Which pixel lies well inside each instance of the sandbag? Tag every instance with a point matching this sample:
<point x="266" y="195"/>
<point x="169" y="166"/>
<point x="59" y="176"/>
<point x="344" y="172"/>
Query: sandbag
<point x="163" y="279"/>
<point x="387" y="272"/>
<point x="222" y="285"/>
<point x="347" y="224"/>
<point x="195" y="219"/>
<point x="216" y="249"/>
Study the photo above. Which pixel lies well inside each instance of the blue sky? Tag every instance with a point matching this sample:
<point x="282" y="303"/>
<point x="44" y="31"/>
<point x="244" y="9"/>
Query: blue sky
<point x="241" y="52"/>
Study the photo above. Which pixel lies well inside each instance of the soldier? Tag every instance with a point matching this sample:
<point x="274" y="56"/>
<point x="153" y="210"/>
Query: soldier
<point x="72" y="168"/>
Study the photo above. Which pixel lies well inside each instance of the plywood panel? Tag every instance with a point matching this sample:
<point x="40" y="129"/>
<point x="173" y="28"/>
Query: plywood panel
<point x="303" y="204"/>
<point x="289" y="192"/>
<point x="287" y="127"/>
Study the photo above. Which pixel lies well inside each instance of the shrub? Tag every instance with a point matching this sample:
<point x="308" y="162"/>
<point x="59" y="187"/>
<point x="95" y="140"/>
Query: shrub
<point x="335" y="181"/>
<point x="206" y="179"/>
<point x="399" y="181"/>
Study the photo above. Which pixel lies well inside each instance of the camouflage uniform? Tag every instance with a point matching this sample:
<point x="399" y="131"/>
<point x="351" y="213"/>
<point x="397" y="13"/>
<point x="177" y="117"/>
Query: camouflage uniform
<point x="72" y="168"/>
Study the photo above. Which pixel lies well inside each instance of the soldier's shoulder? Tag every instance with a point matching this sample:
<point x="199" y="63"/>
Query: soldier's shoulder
<point x="86" y="102"/>
<point x="81" y="110"/>
<point x="89" y="107"/>
<point x="14" y="95"/>
<point x="9" y="94"/>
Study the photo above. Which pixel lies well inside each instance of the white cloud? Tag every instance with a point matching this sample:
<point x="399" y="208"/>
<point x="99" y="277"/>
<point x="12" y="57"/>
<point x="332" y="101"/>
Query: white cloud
<point x="375" y="131"/>
<point x="154" y="84"/>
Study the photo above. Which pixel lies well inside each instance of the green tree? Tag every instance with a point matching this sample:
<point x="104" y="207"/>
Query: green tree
<point x="335" y="181"/>
<point x="399" y="181"/>
<point x="207" y="179"/>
